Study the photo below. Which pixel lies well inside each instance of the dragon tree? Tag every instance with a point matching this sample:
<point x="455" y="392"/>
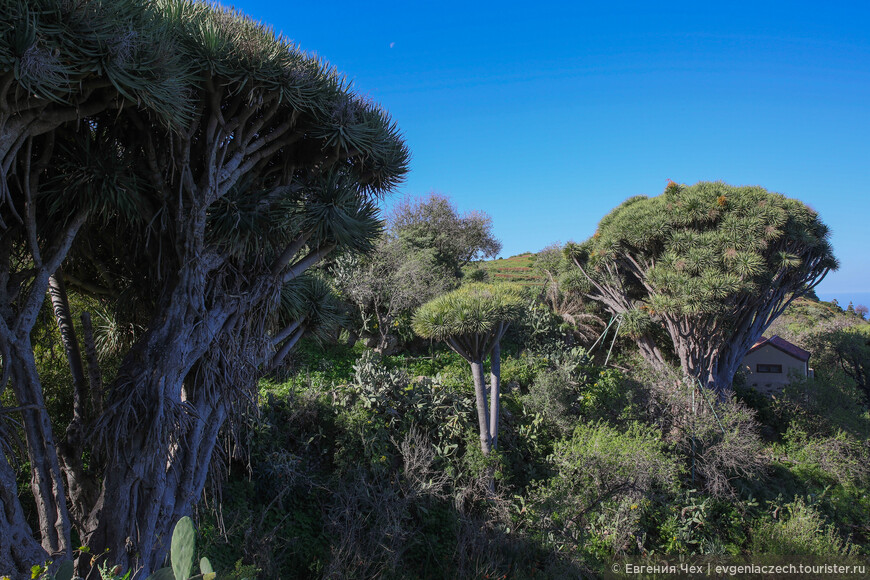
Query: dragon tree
<point x="472" y="321"/>
<point x="707" y="266"/>
<point x="205" y="166"/>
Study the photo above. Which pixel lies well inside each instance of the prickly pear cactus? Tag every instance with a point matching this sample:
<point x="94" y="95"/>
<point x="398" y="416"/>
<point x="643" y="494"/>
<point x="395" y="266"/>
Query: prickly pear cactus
<point x="183" y="546"/>
<point x="206" y="570"/>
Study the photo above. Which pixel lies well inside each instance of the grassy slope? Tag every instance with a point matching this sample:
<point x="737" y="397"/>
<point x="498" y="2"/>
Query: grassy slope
<point x="516" y="269"/>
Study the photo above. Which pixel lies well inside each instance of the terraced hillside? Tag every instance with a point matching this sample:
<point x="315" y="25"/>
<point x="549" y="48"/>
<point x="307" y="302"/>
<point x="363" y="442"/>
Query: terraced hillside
<point x="516" y="269"/>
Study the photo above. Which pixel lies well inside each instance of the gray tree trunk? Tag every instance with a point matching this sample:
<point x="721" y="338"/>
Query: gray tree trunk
<point x="155" y="442"/>
<point x="495" y="393"/>
<point x="482" y="413"/>
<point x="82" y="487"/>
<point x="18" y="550"/>
<point x="46" y="479"/>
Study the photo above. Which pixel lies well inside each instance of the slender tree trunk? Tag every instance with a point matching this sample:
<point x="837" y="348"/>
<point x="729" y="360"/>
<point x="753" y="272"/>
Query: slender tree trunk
<point x="60" y="305"/>
<point x="495" y="393"/>
<point x="482" y="413"/>
<point x="82" y="487"/>
<point x="18" y="550"/>
<point x="46" y="480"/>
<point x="95" y="377"/>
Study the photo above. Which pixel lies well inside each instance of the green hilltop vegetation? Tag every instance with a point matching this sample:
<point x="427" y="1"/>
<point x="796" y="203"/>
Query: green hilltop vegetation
<point x="517" y="269"/>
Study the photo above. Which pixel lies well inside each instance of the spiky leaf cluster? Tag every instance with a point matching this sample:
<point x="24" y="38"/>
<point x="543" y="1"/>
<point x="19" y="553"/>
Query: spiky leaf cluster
<point x="58" y="50"/>
<point x="696" y="250"/>
<point x="473" y="309"/>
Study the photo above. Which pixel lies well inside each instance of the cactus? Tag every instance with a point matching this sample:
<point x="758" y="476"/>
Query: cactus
<point x="183" y="544"/>
<point x="162" y="574"/>
<point x="206" y="570"/>
<point x="181" y="555"/>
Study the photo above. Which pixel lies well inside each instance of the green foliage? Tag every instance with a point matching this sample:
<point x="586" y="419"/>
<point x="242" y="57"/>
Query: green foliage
<point x="183" y="545"/>
<point x="182" y="551"/>
<point x="841" y="459"/>
<point x="64" y="571"/>
<point x="383" y="402"/>
<point x="522" y="371"/>
<point x="708" y="259"/>
<point x="472" y="309"/>
<point x="572" y="390"/>
<point x="435" y="223"/>
<point x="695" y="523"/>
<point x="822" y="406"/>
<point x="799" y="530"/>
<point x="605" y="479"/>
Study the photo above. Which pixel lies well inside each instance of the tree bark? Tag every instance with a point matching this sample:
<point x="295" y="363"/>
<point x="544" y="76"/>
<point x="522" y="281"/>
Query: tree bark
<point x="82" y="487"/>
<point x="46" y="480"/>
<point x="144" y="433"/>
<point x="482" y="414"/>
<point x="18" y="550"/>
<point x="495" y="392"/>
<point x="95" y="377"/>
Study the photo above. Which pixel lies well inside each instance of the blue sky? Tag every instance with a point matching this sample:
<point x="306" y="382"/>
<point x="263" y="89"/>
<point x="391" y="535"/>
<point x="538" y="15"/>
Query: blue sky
<point x="546" y="115"/>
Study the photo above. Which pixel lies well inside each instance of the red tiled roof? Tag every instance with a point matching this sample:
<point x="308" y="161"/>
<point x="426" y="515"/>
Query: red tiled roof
<point x="783" y="345"/>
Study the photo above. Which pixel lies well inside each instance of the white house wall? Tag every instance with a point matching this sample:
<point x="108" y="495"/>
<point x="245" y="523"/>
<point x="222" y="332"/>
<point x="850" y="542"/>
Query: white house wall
<point x="770" y="383"/>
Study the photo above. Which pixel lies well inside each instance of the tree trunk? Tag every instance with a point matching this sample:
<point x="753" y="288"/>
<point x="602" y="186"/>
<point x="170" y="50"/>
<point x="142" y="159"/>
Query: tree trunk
<point x="18" y="550"/>
<point x="95" y="377"/>
<point x="160" y="428"/>
<point x="143" y="434"/>
<point x="82" y="487"/>
<point x="650" y="352"/>
<point x="482" y="414"/>
<point x="495" y="393"/>
<point x="46" y="479"/>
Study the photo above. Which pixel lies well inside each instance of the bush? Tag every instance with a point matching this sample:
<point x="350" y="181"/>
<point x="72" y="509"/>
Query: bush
<point x="699" y="524"/>
<point x="605" y="479"/>
<point x="573" y="390"/>
<point x="823" y="406"/>
<point x="725" y="445"/>
<point x="801" y="532"/>
<point x="719" y="440"/>
<point x="383" y="404"/>
<point x="841" y="459"/>
<point x="520" y="372"/>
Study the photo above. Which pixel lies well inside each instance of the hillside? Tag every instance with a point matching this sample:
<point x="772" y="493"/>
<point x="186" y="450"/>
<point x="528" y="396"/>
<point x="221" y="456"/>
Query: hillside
<point x="516" y="269"/>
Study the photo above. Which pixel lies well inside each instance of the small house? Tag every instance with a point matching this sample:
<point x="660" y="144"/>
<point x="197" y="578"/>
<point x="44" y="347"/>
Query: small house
<point x="772" y="362"/>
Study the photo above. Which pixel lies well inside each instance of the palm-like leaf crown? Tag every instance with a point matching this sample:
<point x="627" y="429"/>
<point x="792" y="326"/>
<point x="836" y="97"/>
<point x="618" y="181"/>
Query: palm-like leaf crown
<point x="697" y="249"/>
<point x="472" y="309"/>
<point x="57" y="48"/>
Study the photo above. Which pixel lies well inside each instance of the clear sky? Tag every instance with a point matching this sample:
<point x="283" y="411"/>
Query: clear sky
<point x="545" y="115"/>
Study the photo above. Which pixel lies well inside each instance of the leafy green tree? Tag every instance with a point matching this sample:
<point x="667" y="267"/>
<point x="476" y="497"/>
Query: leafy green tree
<point x="435" y="224"/>
<point x="710" y="264"/>
<point x="472" y="320"/>
<point x="563" y="293"/>
<point x="840" y="347"/>
<point x="419" y="257"/>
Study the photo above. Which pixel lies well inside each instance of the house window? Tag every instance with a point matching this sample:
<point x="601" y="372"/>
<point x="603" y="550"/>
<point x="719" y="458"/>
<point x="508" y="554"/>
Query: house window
<point x="768" y="369"/>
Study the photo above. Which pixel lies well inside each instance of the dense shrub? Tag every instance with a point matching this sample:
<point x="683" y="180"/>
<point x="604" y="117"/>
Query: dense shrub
<point x="695" y="523"/>
<point x="719" y="440"/>
<point x="839" y="459"/>
<point x="798" y="529"/>
<point x="605" y="479"/>
<point x="823" y="406"/>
